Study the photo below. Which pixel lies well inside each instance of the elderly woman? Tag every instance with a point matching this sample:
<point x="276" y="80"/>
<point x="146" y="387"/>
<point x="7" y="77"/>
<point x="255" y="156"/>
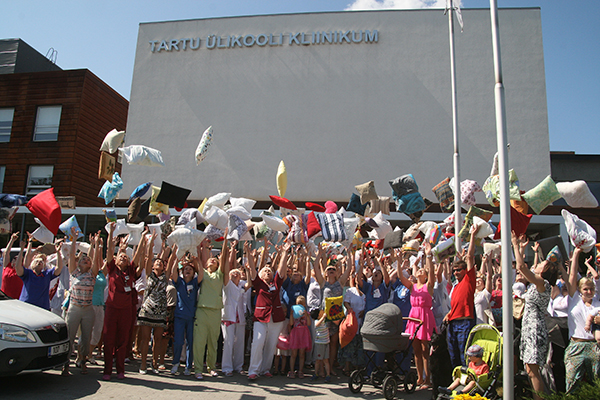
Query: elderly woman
<point x="582" y="358"/>
<point x="534" y="332"/>
<point x="80" y="314"/>
<point x="208" y="309"/>
<point x="268" y="312"/>
<point x="121" y="300"/>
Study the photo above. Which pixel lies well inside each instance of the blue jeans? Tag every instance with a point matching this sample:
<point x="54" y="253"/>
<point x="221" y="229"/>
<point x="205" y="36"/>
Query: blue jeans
<point x="183" y="328"/>
<point x="458" y="333"/>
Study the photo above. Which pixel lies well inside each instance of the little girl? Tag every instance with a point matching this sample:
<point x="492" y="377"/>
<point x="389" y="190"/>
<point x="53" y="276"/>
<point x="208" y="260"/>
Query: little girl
<point x="321" y="353"/>
<point x="299" y="339"/>
<point x="590" y="326"/>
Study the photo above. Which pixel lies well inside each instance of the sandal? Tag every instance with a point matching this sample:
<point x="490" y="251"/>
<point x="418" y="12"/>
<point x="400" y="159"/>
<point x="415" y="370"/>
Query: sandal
<point x="291" y="375"/>
<point x="301" y="375"/>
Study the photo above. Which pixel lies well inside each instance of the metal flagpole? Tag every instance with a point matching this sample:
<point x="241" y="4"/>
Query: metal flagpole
<point x="507" y="273"/>
<point x="456" y="156"/>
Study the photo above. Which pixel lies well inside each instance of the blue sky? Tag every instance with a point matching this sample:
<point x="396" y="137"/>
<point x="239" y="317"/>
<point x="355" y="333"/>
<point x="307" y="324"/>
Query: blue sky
<point x="101" y="36"/>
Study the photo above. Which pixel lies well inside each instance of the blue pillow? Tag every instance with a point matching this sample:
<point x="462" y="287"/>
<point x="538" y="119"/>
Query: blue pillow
<point x="12" y="200"/>
<point x="109" y="190"/>
<point x="355" y="205"/>
<point x="410" y="203"/>
<point x="139" y="191"/>
<point x="66" y="226"/>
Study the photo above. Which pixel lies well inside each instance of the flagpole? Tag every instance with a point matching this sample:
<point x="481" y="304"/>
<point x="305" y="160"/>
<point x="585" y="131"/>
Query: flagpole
<point x="456" y="154"/>
<point x="507" y="272"/>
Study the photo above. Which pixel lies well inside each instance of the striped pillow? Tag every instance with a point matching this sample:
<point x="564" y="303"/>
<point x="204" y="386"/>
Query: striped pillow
<point x="332" y="227"/>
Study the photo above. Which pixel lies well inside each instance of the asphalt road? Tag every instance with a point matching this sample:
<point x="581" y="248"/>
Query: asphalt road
<point x="51" y="385"/>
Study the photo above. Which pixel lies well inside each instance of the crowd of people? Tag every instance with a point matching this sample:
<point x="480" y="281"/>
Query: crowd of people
<point x="271" y="301"/>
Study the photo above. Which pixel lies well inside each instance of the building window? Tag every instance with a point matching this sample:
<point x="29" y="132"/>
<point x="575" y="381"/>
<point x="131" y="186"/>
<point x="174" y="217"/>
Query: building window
<point x="2" y="171"/>
<point x="47" y="123"/>
<point x="6" y="120"/>
<point x="39" y="179"/>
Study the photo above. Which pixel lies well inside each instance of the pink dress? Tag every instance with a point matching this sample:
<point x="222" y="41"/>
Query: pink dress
<point x="300" y="335"/>
<point x="421" y="302"/>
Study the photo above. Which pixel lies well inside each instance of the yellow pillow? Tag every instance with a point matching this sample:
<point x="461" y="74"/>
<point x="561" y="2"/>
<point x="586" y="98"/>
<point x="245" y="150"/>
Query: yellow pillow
<point x="334" y="309"/>
<point x="157" y="208"/>
<point x="281" y="179"/>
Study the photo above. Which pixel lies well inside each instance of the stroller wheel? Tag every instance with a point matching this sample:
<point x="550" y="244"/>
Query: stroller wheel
<point x="390" y="387"/>
<point x="410" y="382"/>
<point x="355" y="383"/>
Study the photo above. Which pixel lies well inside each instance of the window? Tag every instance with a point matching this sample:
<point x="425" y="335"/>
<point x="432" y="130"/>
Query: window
<point x="46" y="123"/>
<point x="2" y="171"/>
<point x="40" y="179"/>
<point x="6" y="120"/>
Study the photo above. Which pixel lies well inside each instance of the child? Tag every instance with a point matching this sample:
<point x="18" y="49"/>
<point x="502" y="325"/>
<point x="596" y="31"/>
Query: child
<point x="590" y="326"/>
<point x="476" y="363"/>
<point x="321" y="352"/>
<point x="299" y="339"/>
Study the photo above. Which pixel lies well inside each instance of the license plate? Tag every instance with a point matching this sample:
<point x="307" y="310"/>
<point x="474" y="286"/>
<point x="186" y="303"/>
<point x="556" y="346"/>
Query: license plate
<point x="58" y="349"/>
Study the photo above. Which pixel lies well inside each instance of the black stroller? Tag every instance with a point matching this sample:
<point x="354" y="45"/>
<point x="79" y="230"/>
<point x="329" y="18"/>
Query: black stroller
<point x="382" y="333"/>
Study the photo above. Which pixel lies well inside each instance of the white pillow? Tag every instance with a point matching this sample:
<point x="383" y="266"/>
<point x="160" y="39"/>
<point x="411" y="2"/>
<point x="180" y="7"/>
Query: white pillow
<point x="142" y="155"/>
<point x="42" y="233"/>
<point x="218" y="200"/>
<point x="582" y="235"/>
<point x="217" y="217"/>
<point x="112" y="141"/>
<point x="484" y="228"/>
<point x="186" y="240"/>
<point x="493" y="249"/>
<point x="350" y="225"/>
<point x="383" y="229"/>
<point x="239" y="211"/>
<point x="158" y="241"/>
<point x="135" y="233"/>
<point x="274" y="223"/>
<point x="577" y="194"/>
<point x="243" y="202"/>
<point x="120" y="228"/>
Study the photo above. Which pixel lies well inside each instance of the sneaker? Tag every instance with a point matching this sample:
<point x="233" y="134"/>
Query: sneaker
<point x="92" y="361"/>
<point x="214" y="373"/>
<point x="174" y="369"/>
<point x="314" y="377"/>
<point x="121" y="376"/>
<point x="106" y="377"/>
<point x="229" y="373"/>
<point x="162" y="367"/>
<point x="199" y="376"/>
<point x="444" y="390"/>
<point x="328" y="379"/>
<point x="127" y="360"/>
<point x="187" y="372"/>
<point x="155" y="371"/>
<point x="142" y="371"/>
<point x="252" y="377"/>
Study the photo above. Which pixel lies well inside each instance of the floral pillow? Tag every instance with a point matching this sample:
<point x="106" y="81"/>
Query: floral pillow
<point x="109" y="190"/>
<point x="542" y="195"/>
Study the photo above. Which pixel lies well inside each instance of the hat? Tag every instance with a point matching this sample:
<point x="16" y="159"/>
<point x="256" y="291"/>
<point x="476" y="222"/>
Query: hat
<point x="475" y="351"/>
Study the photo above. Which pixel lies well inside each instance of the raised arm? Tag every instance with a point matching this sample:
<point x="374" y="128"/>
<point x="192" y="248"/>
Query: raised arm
<point x="572" y="284"/>
<point x="72" y="250"/>
<point x="386" y="275"/>
<point x="489" y="278"/>
<point x="317" y="266"/>
<point x="519" y="246"/>
<point x="251" y="266"/>
<point x="350" y="268"/>
<point x="19" y="264"/>
<point x="28" y="253"/>
<point x="282" y="268"/>
<point x="430" y="267"/>
<point x="230" y="264"/>
<point x="471" y="252"/>
<point x="359" y="272"/>
<point x="6" y="256"/>
<point x="110" y="243"/>
<point x="59" y="260"/>
<point x="171" y="263"/>
<point x="401" y="267"/>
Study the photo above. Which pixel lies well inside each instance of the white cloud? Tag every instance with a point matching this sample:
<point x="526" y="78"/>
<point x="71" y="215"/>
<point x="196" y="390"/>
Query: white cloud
<point x="395" y="4"/>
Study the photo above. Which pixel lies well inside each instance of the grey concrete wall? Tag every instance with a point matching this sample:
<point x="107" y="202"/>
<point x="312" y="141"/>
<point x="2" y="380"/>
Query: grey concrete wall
<point x="337" y="114"/>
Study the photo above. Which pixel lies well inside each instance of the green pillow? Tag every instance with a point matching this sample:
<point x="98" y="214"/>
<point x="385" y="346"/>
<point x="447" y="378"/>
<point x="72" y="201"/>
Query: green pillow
<point x="542" y="195"/>
<point x="473" y="212"/>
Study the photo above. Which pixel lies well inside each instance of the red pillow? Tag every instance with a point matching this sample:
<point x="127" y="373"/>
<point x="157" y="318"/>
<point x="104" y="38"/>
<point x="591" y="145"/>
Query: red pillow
<point x="518" y="223"/>
<point x="283" y="202"/>
<point x="348" y="329"/>
<point x="330" y="207"/>
<point x="45" y="207"/>
<point x="315" y="207"/>
<point x="312" y="225"/>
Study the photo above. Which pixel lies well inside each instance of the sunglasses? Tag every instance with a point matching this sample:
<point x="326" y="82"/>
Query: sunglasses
<point x="457" y="269"/>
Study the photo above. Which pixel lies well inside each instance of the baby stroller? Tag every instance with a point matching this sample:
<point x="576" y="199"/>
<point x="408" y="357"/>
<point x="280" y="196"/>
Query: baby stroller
<point x="382" y="333"/>
<point x="490" y="339"/>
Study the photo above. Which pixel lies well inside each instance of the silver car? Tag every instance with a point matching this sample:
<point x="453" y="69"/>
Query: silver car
<point x="31" y="338"/>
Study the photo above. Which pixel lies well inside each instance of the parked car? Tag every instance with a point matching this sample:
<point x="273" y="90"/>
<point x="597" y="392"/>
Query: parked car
<point x="31" y="338"/>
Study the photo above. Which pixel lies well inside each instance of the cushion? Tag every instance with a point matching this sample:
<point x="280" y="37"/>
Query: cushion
<point x="464" y="233"/>
<point x="144" y="210"/>
<point x="110" y="215"/>
<point x="139" y="191"/>
<point x="6" y="215"/>
<point x="187" y="240"/>
<point x="444" y="250"/>
<point x="410" y="203"/>
<point x="297" y="232"/>
<point x="443" y="192"/>
<point x="334" y="310"/>
<point x="240" y="212"/>
<point x="577" y="194"/>
<point x="106" y="166"/>
<point x="348" y="329"/>
<point x="204" y="144"/>
<point x="236" y="228"/>
<point x="142" y="155"/>
<point x="112" y="141"/>
<point x="155" y="207"/>
<point x="411" y="246"/>
<point x="109" y="190"/>
<point x="435" y="235"/>
<point x="493" y="249"/>
<point x="491" y="188"/>
<point x="281" y="179"/>
<point x="315" y="207"/>
<point x="542" y="195"/>
<point x="330" y="207"/>
<point x="218" y="200"/>
<point x="484" y="227"/>
<point x="468" y="188"/>
<point x="383" y="227"/>
<point x="135" y="233"/>
<point x="367" y="192"/>
<point x="393" y="240"/>
<point x="12" y="200"/>
<point x="312" y="225"/>
<point x="412" y="232"/>
<point x="46" y="208"/>
<point x="283" y="202"/>
<point x="188" y="214"/>
<point x="518" y="223"/>
<point x="404" y="185"/>
<point x="217" y="217"/>
<point x="42" y="234"/>
<point x="66" y="226"/>
<point x="355" y="205"/>
<point x="274" y="222"/>
<point x="248" y="204"/>
<point x="121" y="228"/>
<point x="332" y="227"/>
<point x="350" y="225"/>
<point x="213" y="233"/>
<point x="134" y="209"/>
<point x="520" y="205"/>
<point x="164" y="217"/>
<point x="158" y="241"/>
<point x="581" y="234"/>
<point x="380" y="204"/>
<point x="172" y="195"/>
<point x="287" y="211"/>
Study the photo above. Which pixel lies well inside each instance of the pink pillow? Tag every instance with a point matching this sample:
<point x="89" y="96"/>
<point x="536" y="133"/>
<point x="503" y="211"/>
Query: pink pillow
<point x="330" y="207"/>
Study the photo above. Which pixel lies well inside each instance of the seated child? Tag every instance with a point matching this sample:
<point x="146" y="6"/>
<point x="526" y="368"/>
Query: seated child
<point x="590" y="326"/>
<point x="476" y="363"/>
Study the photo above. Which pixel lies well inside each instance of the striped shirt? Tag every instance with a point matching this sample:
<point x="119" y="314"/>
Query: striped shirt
<point x="82" y="288"/>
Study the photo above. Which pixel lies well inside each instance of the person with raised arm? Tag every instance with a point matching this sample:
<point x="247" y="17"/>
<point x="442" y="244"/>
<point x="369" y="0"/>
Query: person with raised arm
<point x="11" y="283"/>
<point x="122" y="273"/>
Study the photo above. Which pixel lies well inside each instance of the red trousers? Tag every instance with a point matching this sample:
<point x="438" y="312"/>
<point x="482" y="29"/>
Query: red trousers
<point x="117" y="325"/>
